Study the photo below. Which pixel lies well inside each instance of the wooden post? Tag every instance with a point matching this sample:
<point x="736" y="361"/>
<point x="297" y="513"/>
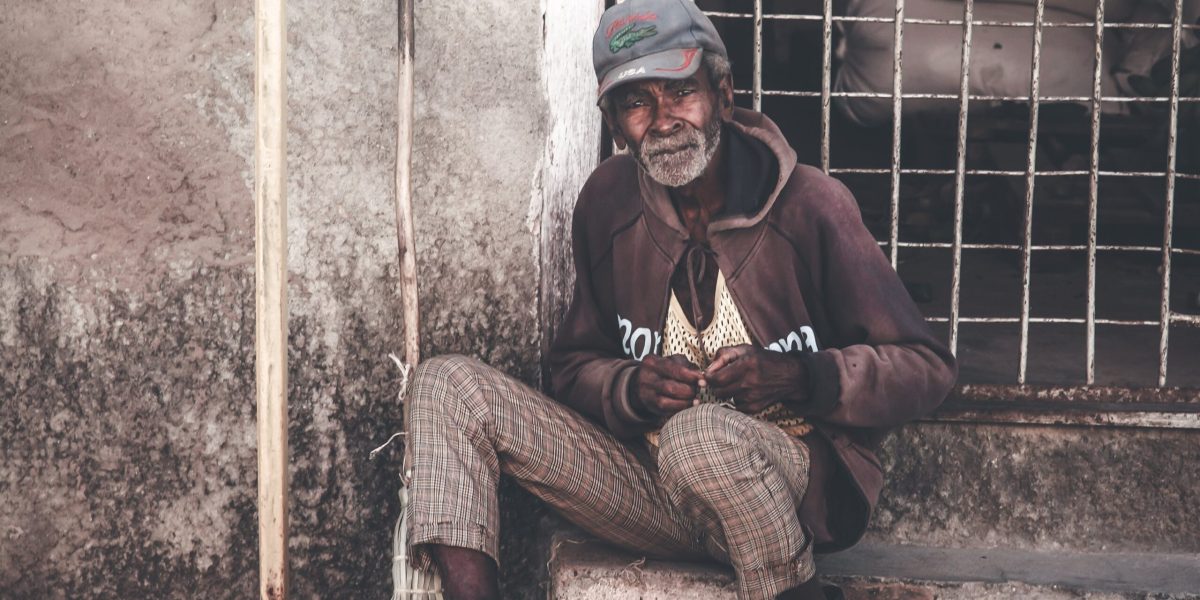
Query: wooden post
<point x="270" y="294"/>
<point x="404" y="213"/>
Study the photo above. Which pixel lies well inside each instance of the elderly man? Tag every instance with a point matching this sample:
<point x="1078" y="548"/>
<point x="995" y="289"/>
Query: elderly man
<point x="736" y="347"/>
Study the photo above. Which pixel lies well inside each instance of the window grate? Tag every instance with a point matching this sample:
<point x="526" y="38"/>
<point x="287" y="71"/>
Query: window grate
<point x="1098" y="401"/>
<point x="1030" y="175"/>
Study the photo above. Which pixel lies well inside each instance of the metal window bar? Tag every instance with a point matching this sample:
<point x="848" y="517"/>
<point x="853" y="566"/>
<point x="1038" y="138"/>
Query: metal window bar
<point x="897" y="98"/>
<point x="960" y="172"/>
<point x="1094" y="193"/>
<point x="1099" y="25"/>
<point x="758" y="20"/>
<point x="1169" y="209"/>
<point x="973" y="96"/>
<point x="934" y="96"/>
<point x="1186" y="251"/>
<point x="826" y="78"/>
<point x="1030" y="174"/>
<point x="1015" y="173"/>
<point x="955" y="22"/>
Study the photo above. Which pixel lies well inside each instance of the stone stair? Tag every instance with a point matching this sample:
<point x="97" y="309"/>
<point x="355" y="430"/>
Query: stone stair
<point x="976" y="511"/>
<point x="591" y="570"/>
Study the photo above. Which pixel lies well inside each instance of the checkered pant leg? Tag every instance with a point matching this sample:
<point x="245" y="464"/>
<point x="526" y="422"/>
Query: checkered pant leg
<point x="741" y="480"/>
<point x="469" y="422"/>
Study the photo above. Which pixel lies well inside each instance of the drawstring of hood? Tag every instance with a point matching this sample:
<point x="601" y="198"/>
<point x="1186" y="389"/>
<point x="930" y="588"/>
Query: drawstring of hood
<point x="696" y="264"/>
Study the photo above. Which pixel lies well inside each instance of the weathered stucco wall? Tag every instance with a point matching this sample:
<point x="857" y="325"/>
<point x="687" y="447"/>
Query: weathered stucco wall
<point x="127" y="465"/>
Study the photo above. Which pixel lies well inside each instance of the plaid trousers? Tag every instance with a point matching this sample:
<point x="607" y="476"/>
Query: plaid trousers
<point x="721" y="484"/>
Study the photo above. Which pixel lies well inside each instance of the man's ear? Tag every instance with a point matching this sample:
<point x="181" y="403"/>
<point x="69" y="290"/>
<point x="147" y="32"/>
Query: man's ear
<point x="614" y="129"/>
<point x="725" y="97"/>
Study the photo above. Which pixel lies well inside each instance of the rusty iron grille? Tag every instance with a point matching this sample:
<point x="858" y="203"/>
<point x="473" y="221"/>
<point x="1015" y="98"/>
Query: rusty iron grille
<point x="1018" y="400"/>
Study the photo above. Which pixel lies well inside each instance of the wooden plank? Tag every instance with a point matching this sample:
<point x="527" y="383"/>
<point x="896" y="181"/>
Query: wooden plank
<point x="404" y="211"/>
<point x="572" y="150"/>
<point x="270" y="294"/>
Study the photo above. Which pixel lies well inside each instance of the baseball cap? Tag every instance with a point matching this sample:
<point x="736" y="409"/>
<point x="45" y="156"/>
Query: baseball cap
<point x="651" y="39"/>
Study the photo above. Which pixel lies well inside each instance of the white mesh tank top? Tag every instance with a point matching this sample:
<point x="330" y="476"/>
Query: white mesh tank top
<point x="725" y="329"/>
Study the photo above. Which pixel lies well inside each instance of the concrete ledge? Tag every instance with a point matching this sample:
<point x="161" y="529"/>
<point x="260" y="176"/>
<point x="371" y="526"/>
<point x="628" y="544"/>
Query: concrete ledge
<point x="1122" y="573"/>
<point x="590" y="570"/>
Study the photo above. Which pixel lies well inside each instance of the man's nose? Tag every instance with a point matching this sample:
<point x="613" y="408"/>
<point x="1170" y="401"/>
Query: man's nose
<point x="665" y="121"/>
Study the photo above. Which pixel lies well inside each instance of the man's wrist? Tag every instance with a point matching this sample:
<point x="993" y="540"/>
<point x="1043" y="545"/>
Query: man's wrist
<point x="636" y="406"/>
<point x="822" y="387"/>
<point x="801" y="381"/>
<point x="626" y="402"/>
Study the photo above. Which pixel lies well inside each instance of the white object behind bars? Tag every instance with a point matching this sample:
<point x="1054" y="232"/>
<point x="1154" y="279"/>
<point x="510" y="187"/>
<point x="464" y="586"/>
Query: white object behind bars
<point x="1001" y="57"/>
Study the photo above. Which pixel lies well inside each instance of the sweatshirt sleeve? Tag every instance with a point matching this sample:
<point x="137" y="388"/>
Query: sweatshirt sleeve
<point x="884" y="366"/>
<point x="588" y="371"/>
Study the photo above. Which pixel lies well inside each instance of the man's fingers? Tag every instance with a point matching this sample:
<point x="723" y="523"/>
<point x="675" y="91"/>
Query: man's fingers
<point x="729" y="374"/>
<point x="678" y="368"/>
<point x="686" y="375"/>
<point x="675" y="389"/>
<point x="723" y="357"/>
<point x="726" y="356"/>
<point x="726" y="391"/>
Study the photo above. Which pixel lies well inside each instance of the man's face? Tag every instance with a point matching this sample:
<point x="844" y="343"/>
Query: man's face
<point x="672" y="127"/>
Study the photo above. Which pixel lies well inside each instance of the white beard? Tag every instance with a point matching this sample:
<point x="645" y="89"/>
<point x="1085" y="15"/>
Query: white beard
<point x="678" y="160"/>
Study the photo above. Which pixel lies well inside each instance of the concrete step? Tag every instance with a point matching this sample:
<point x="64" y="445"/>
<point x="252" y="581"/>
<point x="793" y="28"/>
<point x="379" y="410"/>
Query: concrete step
<point x="1043" y="488"/>
<point x="591" y="570"/>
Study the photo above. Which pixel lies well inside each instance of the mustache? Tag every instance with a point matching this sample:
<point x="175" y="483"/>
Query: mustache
<point x="655" y="152"/>
<point x="683" y="140"/>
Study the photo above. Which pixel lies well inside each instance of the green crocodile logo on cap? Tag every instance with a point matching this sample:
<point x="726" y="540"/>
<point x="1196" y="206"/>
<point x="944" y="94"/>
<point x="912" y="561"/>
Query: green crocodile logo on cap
<point x="629" y="35"/>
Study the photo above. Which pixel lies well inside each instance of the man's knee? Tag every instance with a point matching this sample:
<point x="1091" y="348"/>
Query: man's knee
<point x="442" y="380"/>
<point x="699" y="443"/>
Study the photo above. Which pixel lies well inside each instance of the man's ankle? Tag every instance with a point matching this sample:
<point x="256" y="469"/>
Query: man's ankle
<point x="809" y="590"/>
<point x="466" y="574"/>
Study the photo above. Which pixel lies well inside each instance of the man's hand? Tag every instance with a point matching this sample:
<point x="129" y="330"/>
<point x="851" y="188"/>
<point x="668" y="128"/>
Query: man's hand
<point x="756" y="377"/>
<point x="662" y="387"/>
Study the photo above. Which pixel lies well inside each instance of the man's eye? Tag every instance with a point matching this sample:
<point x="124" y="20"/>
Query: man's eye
<point x="633" y="104"/>
<point x="685" y="91"/>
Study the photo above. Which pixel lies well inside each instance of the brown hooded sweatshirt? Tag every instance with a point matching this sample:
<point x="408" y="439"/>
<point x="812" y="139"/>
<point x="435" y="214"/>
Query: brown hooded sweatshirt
<point x="807" y="278"/>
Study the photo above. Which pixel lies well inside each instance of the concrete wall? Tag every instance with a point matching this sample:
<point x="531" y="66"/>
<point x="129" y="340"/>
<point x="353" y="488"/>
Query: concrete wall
<point x="127" y="467"/>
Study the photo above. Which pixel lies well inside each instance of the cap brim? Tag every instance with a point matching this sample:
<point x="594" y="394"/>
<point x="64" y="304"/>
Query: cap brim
<point x="678" y="63"/>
